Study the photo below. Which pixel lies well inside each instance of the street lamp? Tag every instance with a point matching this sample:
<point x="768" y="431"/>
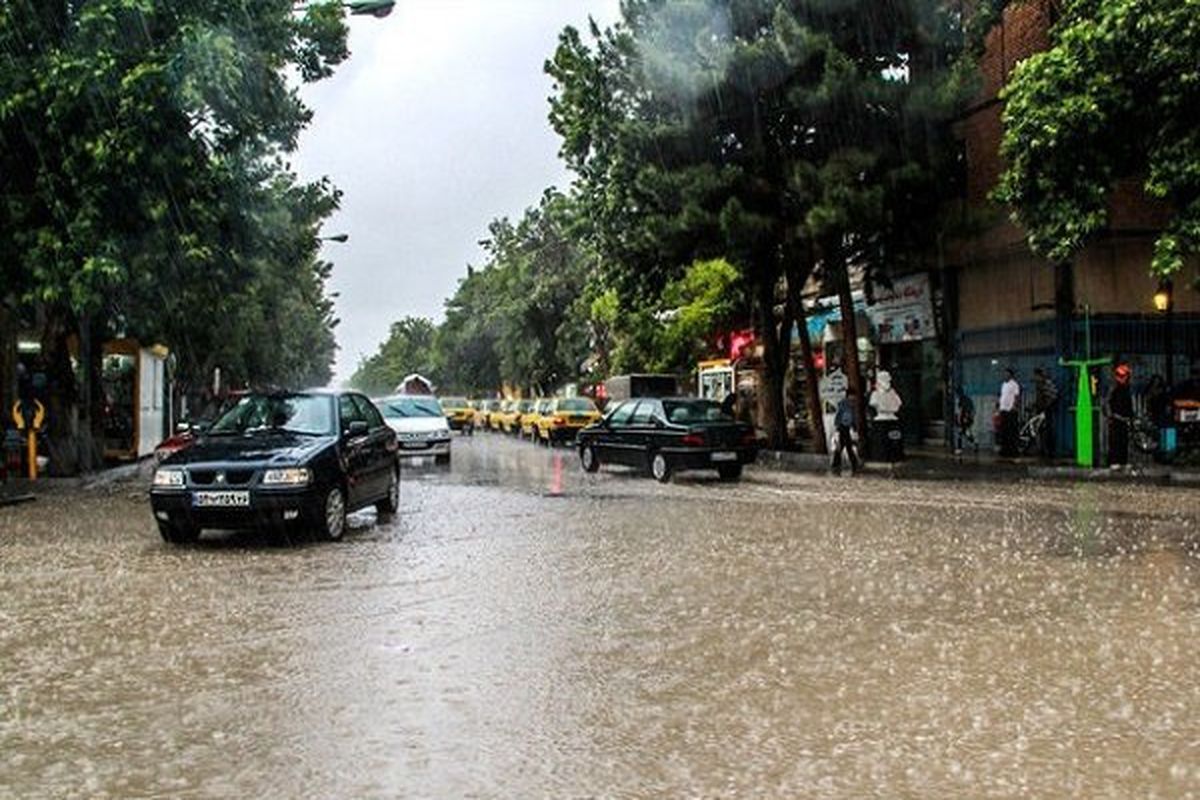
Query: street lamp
<point x="361" y="8"/>
<point x="1164" y="303"/>
<point x="340" y="238"/>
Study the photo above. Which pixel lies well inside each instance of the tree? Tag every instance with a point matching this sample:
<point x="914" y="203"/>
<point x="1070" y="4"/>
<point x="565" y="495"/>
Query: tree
<point x="408" y="349"/>
<point x="1116" y="96"/>
<point x="761" y="131"/>
<point x="130" y="131"/>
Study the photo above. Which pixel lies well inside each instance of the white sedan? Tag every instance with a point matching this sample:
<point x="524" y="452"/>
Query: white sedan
<point x="420" y="425"/>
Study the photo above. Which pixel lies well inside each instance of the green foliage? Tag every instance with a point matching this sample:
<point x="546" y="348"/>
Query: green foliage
<point x="1116" y="96"/>
<point x="699" y="305"/>
<point x="409" y="348"/>
<point x="141" y="150"/>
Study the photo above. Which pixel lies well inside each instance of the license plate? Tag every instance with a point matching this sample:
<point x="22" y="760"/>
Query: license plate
<point x="221" y="499"/>
<point x="724" y="455"/>
<point x="415" y="445"/>
<point x="1189" y="415"/>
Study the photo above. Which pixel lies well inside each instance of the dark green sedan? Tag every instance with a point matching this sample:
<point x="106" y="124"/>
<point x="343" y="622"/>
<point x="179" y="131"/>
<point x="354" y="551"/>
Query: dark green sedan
<point x="666" y="435"/>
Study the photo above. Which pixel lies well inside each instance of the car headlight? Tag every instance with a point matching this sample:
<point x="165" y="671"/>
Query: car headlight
<point x="168" y="478"/>
<point x="294" y="476"/>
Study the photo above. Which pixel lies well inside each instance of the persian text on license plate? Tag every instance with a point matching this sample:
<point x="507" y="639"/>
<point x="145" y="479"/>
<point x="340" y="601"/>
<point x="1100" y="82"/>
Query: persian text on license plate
<point x="1189" y="415"/>
<point x="724" y="455"/>
<point x="221" y="499"/>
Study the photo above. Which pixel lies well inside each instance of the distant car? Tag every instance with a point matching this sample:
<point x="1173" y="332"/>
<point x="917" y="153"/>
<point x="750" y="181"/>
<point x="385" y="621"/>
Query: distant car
<point x="512" y="422"/>
<point x="459" y="414"/>
<point x="530" y="421"/>
<point x="278" y="460"/>
<point x="565" y="417"/>
<point x="667" y="435"/>
<point x="186" y="433"/>
<point x="498" y="420"/>
<point x="419" y="422"/>
<point x="483" y="416"/>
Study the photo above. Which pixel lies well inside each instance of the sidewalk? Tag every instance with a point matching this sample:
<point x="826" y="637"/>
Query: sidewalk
<point x="20" y="490"/>
<point x="942" y="465"/>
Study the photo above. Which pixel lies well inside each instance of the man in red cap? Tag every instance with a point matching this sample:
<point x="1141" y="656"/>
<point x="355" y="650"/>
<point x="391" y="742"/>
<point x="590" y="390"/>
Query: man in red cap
<point x="1120" y="415"/>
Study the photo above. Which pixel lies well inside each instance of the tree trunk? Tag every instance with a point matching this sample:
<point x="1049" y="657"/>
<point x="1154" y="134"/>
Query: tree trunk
<point x="812" y="392"/>
<point x="835" y="258"/>
<point x="774" y="368"/>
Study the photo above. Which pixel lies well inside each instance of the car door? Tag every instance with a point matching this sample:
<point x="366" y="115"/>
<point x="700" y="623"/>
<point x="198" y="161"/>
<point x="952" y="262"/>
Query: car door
<point x="355" y="451"/>
<point x="614" y="446"/>
<point x="640" y="434"/>
<point x="380" y="456"/>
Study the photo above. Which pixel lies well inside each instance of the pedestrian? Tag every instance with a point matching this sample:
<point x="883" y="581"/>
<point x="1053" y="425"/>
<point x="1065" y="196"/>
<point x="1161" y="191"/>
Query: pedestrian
<point x="845" y="423"/>
<point x="886" y="403"/>
<point x="1045" y="398"/>
<point x="965" y="420"/>
<point x="1010" y="395"/>
<point x="1120" y="416"/>
<point x="729" y="404"/>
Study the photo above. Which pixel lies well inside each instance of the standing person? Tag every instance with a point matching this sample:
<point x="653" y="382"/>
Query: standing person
<point x="965" y="420"/>
<point x="1010" y="395"/>
<point x="846" y="426"/>
<point x="1120" y="416"/>
<point x="1045" y="397"/>
<point x="729" y="404"/>
<point x="886" y="403"/>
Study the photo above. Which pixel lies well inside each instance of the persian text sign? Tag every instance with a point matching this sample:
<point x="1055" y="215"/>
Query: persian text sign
<point x="904" y="313"/>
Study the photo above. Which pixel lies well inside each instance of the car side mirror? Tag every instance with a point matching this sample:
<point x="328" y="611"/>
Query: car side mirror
<point x="183" y="427"/>
<point x="357" y="428"/>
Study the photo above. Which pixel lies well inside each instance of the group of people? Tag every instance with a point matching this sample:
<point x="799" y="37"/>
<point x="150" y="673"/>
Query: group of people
<point x="1118" y="410"/>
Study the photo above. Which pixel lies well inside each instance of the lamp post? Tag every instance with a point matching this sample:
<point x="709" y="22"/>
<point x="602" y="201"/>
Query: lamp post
<point x="1164" y="303"/>
<point x="360" y="8"/>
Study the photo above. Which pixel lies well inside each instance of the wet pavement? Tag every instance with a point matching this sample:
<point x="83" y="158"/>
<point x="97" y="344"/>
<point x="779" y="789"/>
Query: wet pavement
<point x="525" y="630"/>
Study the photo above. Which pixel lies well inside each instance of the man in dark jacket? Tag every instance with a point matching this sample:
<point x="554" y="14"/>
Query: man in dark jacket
<point x="1045" y="397"/>
<point x="844" y="423"/>
<point x="1120" y="416"/>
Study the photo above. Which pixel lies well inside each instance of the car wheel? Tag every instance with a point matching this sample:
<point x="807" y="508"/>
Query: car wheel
<point x="660" y="468"/>
<point x="391" y="504"/>
<point x="730" y="472"/>
<point x="332" y="524"/>
<point x="588" y="459"/>
<point x="179" y="533"/>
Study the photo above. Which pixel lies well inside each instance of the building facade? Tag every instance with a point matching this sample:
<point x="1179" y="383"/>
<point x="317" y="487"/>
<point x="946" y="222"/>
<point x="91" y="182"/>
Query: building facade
<point x="1007" y="307"/>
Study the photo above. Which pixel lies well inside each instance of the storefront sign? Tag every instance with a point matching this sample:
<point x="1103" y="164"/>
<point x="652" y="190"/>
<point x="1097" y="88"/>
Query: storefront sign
<point x="904" y="313"/>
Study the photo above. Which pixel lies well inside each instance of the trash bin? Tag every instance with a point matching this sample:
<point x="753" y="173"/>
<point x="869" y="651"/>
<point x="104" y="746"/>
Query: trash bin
<point x="886" y="441"/>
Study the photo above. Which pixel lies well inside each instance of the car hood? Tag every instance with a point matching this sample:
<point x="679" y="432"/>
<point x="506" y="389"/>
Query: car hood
<point x="270" y="448"/>
<point x="418" y="424"/>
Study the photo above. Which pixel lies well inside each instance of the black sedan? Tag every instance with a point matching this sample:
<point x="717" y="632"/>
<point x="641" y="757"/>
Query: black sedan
<point x="280" y="460"/>
<point x="666" y="435"/>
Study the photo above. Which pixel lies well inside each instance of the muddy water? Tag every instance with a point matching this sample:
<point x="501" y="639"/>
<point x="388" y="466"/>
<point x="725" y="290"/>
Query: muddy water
<point x="524" y="630"/>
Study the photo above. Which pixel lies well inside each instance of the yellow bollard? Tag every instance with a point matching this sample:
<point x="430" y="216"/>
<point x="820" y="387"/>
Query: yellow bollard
<point x="31" y="432"/>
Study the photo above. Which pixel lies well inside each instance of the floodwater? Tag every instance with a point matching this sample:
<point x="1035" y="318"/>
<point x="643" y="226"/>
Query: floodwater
<point x="524" y="630"/>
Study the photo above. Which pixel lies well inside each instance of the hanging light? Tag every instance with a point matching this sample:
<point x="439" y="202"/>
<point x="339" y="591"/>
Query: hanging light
<point x="1163" y="297"/>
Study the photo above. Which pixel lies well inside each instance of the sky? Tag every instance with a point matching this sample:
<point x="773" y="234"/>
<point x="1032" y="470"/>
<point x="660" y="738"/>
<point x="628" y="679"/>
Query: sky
<point x="435" y="126"/>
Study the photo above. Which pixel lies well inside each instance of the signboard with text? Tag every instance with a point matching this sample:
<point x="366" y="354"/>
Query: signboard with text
<point x="904" y="313"/>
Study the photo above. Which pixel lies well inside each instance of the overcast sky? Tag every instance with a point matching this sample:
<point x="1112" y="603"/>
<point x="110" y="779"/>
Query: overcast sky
<point x="433" y="127"/>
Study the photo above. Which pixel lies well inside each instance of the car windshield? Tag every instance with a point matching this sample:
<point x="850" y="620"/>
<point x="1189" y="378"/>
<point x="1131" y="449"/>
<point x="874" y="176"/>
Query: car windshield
<point x="454" y="402"/>
<point x="525" y="405"/>
<point x="576" y="404"/>
<point x="403" y="407"/>
<point x="688" y="412"/>
<point x="294" y="413"/>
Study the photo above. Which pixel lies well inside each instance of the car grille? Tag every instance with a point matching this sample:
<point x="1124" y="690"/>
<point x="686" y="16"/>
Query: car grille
<point x="221" y="477"/>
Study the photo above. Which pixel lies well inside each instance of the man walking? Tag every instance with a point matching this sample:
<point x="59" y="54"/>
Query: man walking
<point x="1045" y="397"/>
<point x="845" y="424"/>
<point x="1010" y="395"/>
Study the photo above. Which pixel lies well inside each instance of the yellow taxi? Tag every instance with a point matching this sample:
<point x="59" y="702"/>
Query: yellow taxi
<point x="459" y="414"/>
<point x="529" y="422"/>
<point x="497" y="419"/>
<point x="565" y="417"/>
<point x="483" y="414"/>
<point x="510" y="423"/>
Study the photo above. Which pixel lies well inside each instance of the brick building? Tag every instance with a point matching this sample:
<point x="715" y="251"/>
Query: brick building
<point x="1008" y="307"/>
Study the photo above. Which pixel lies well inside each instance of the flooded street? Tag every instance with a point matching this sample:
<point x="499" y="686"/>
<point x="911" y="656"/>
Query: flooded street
<point x="525" y="630"/>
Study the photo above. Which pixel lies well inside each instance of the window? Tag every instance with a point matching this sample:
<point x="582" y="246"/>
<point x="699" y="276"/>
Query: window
<point x="402" y="407"/>
<point x="622" y="414"/>
<point x="368" y="411"/>
<point x="576" y="404"/>
<point x="349" y="411"/>
<point x="687" y="412"/>
<point x="305" y="414"/>
<point x="643" y="413"/>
